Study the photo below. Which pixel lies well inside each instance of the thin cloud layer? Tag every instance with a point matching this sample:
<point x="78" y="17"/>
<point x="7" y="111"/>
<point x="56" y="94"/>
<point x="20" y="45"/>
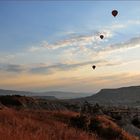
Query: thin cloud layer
<point x="65" y="67"/>
<point x="74" y="52"/>
<point x="132" y="43"/>
<point x="12" y="68"/>
<point x="44" y="68"/>
<point x="81" y="44"/>
<point x="75" y="41"/>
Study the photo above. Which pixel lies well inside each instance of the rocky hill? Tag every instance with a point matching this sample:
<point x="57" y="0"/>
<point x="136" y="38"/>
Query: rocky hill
<point x="20" y="102"/>
<point x="119" y="96"/>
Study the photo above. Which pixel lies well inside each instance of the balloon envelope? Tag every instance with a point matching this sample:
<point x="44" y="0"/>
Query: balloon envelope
<point x="93" y="66"/>
<point x="114" y="13"/>
<point x="101" y="36"/>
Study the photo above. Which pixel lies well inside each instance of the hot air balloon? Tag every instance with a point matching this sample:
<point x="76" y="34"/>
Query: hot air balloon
<point x="114" y="13"/>
<point x="93" y="66"/>
<point x="101" y="36"/>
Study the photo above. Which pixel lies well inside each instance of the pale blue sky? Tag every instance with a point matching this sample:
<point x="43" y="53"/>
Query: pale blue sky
<point x="26" y="23"/>
<point x="50" y="38"/>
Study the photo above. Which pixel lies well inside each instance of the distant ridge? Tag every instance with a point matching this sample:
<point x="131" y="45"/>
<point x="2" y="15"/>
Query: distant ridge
<point x="45" y="95"/>
<point x="24" y="93"/>
<point x="122" y="88"/>
<point x="124" y="95"/>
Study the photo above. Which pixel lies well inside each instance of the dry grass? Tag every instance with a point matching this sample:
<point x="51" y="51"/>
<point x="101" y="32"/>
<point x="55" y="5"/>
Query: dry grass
<point x="106" y="128"/>
<point x="102" y="125"/>
<point x="38" y="125"/>
<point x="52" y="125"/>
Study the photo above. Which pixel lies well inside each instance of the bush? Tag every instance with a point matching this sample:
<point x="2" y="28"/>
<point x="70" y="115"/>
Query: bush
<point x="79" y="122"/>
<point x="10" y="101"/>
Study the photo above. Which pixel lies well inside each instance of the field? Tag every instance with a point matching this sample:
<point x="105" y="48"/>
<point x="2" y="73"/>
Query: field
<point x="27" y="124"/>
<point x="38" y="125"/>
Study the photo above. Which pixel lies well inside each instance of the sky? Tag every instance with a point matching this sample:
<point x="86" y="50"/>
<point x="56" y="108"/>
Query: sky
<point x="51" y="46"/>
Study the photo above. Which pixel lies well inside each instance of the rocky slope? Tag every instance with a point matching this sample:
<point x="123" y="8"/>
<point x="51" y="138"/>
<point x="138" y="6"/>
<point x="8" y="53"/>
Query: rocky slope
<point x="120" y="96"/>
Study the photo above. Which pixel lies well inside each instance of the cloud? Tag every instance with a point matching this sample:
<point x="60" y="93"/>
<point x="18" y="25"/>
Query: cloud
<point x="91" y="38"/>
<point x="87" y="45"/>
<point x="6" y="57"/>
<point x="77" y="62"/>
<point x="130" y="44"/>
<point x="80" y="40"/>
<point x="125" y="24"/>
<point x="15" y="68"/>
<point x="47" y="69"/>
<point x="100" y="52"/>
<point x="59" y="67"/>
<point x="77" y="51"/>
<point x="73" y="41"/>
<point x="74" y="58"/>
<point x="64" y="67"/>
<point x="133" y="22"/>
